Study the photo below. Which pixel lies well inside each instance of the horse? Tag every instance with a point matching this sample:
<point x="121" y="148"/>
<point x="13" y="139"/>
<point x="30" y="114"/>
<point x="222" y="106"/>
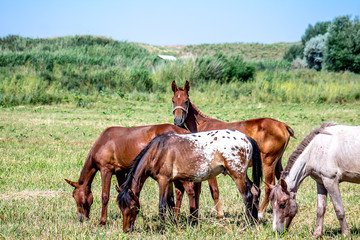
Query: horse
<point x="329" y="155"/>
<point x="271" y="135"/>
<point x="171" y="158"/>
<point x="112" y="153"/>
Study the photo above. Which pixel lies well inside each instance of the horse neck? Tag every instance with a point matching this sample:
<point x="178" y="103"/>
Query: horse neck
<point x="297" y="173"/>
<point x="195" y="118"/>
<point x="87" y="173"/>
<point x="139" y="179"/>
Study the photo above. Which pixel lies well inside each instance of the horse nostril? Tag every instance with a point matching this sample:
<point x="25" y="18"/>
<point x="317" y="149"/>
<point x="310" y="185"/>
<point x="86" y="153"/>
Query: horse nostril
<point x="178" y="121"/>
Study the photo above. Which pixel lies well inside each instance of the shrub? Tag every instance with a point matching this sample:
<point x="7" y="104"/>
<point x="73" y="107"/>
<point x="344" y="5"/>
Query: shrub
<point x="295" y="51"/>
<point x="314" y="52"/>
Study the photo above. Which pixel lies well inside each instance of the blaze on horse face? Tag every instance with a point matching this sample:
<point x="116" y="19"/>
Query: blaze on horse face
<point x="180" y="103"/>
<point x="83" y="198"/>
<point x="284" y="206"/>
<point x="130" y="206"/>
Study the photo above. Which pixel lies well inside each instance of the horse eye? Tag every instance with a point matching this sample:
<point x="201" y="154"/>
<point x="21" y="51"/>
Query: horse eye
<point x="173" y="101"/>
<point x="282" y="206"/>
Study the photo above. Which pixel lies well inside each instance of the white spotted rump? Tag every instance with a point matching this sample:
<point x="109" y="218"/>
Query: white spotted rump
<point x="231" y="144"/>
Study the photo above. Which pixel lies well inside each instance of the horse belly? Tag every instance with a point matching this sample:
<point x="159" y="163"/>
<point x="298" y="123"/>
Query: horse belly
<point x="197" y="174"/>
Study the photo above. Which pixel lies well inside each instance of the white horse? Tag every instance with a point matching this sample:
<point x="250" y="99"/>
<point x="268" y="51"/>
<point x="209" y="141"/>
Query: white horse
<point x="330" y="155"/>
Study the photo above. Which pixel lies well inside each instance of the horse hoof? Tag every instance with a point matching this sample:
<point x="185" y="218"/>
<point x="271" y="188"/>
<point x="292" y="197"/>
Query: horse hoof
<point x="102" y="223"/>
<point x="260" y="215"/>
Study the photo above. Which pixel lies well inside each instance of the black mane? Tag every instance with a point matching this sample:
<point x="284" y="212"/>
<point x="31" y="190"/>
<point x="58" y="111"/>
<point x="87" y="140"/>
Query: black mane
<point x="124" y="197"/>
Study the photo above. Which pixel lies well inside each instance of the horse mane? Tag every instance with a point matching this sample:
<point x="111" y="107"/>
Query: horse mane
<point x="124" y="197"/>
<point x="198" y="110"/>
<point x="304" y="143"/>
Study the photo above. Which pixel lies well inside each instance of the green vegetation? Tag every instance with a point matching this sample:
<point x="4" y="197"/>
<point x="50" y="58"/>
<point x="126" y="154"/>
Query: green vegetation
<point x="58" y="95"/>
<point x="42" y="145"/>
<point x="335" y="45"/>
<point x="85" y="69"/>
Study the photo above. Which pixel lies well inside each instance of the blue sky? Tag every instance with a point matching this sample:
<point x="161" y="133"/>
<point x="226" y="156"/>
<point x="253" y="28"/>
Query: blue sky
<point x="171" y="22"/>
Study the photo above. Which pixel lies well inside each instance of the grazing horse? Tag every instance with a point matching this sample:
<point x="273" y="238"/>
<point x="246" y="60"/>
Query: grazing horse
<point x="330" y="155"/>
<point x="113" y="153"/>
<point x="171" y="158"/>
<point x="271" y="135"/>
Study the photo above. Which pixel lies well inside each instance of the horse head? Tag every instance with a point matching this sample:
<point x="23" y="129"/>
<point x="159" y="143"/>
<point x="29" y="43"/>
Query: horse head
<point x="284" y="206"/>
<point x="252" y="198"/>
<point x="83" y="198"/>
<point x="130" y="206"/>
<point x="180" y="103"/>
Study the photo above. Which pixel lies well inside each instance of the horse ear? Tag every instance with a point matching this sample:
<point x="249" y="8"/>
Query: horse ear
<point x="74" y="184"/>
<point x="132" y="194"/>
<point x="118" y="189"/>
<point x="283" y="184"/>
<point x="174" y="87"/>
<point x="269" y="185"/>
<point x="187" y="86"/>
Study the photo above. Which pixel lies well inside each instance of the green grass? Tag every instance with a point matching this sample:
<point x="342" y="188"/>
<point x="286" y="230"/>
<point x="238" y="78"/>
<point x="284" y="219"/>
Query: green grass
<point x="42" y="145"/>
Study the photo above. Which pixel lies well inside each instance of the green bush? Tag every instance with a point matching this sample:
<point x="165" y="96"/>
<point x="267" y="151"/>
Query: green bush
<point x="343" y="45"/>
<point x="223" y="69"/>
<point x="294" y="51"/>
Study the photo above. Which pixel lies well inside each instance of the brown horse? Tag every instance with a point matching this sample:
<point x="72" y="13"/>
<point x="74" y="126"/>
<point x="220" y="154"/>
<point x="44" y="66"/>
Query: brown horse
<point x="271" y="135"/>
<point x="171" y="158"/>
<point x="113" y="153"/>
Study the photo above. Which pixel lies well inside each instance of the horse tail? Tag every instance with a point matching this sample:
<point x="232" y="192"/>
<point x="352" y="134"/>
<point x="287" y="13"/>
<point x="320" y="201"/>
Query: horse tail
<point x="124" y="196"/>
<point x="257" y="173"/>
<point x="290" y="131"/>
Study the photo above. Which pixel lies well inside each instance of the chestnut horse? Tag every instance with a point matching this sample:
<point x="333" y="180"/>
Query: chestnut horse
<point x="329" y="155"/>
<point x="113" y="153"/>
<point x="271" y="135"/>
<point x="171" y="158"/>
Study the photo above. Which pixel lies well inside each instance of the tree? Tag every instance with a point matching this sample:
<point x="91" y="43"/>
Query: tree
<point x="343" y="45"/>
<point x="314" y="51"/>
<point x="320" y="28"/>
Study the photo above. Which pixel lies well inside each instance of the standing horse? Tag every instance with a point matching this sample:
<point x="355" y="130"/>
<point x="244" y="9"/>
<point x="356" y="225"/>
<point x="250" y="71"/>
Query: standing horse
<point x="330" y="155"/>
<point x="113" y="153"/>
<point x="271" y="135"/>
<point x="191" y="157"/>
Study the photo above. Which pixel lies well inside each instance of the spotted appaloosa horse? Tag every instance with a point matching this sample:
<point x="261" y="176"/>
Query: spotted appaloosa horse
<point x="113" y="153"/>
<point x="271" y="135"/>
<point x="329" y="155"/>
<point x="191" y="157"/>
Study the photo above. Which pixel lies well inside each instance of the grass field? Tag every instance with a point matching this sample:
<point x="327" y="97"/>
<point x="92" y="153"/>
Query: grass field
<point x="42" y="145"/>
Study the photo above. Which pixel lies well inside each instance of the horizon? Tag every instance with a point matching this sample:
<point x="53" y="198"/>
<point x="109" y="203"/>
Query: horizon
<point x="164" y="23"/>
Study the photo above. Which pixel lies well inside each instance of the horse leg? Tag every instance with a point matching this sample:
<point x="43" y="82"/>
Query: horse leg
<point x="333" y="189"/>
<point x="163" y="198"/>
<point x="321" y="207"/>
<point x="215" y="195"/>
<point x="106" y="181"/>
<point x="179" y="192"/>
<point x="170" y="199"/>
<point x="241" y="185"/>
<point x="193" y="191"/>
<point x="269" y="175"/>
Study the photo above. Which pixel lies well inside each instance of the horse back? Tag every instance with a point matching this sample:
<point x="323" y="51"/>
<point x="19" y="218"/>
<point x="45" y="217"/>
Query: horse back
<point x="270" y="134"/>
<point x="116" y="147"/>
<point x="335" y="152"/>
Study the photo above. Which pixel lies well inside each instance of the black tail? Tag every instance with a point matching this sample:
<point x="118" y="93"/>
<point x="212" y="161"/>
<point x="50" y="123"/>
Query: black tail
<point x="257" y="173"/>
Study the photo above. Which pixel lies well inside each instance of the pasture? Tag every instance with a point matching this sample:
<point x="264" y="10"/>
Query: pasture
<point x="42" y="145"/>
